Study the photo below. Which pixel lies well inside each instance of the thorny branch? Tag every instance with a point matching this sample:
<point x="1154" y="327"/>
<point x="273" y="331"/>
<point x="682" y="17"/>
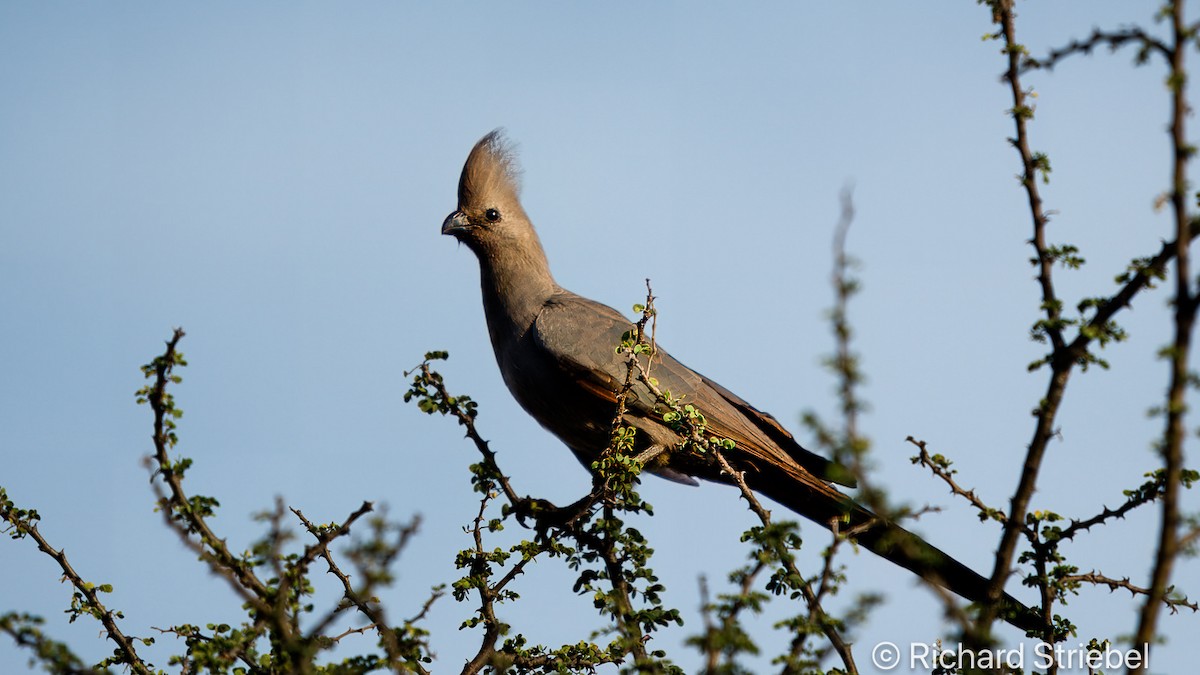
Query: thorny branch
<point x="1043" y="431"/>
<point x="180" y="513"/>
<point x="465" y="415"/>
<point x="568" y="520"/>
<point x="1148" y="492"/>
<point x="1114" y="40"/>
<point x="492" y="629"/>
<point x="1169" y="601"/>
<point x="90" y="603"/>
<point x="1185" y="304"/>
<point x="275" y="606"/>
<point x="940" y="468"/>
<point x="360" y="598"/>
<point x="1064" y="355"/>
<point x="817" y="614"/>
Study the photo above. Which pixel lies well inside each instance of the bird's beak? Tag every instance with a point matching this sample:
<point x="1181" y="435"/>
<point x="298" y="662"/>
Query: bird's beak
<point x="455" y="222"/>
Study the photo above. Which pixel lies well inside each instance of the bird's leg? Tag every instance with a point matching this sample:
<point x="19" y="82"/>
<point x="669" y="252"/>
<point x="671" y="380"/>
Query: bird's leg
<point x="547" y="516"/>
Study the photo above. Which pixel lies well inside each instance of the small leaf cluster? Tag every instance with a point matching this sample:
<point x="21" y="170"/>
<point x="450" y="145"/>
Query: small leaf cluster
<point x="428" y="390"/>
<point x="18" y="522"/>
<point x="1091" y="331"/>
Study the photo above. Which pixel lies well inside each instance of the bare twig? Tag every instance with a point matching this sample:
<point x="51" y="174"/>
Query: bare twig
<point x="324" y="536"/>
<point x="353" y="631"/>
<point x="367" y="606"/>
<point x="926" y="460"/>
<point x="1148" y="492"/>
<point x="1114" y="40"/>
<point x="1189" y="539"/>
<point x="1171" y="603"/>
<point x="468" y="420"/>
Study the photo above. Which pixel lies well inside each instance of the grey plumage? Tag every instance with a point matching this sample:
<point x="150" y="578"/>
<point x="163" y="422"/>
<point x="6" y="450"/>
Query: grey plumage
<point x="556" y="352"/>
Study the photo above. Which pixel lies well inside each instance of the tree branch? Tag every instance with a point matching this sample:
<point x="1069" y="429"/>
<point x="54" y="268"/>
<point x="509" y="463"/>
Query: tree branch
<point x="1185" y="305"/>
<point x="181" y="513"/>
<point x="1171" y="603"/>
<point x="24" y="523"/>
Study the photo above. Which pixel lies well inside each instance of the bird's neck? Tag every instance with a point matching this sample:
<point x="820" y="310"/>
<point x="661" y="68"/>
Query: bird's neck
<point x="516" y="284"/>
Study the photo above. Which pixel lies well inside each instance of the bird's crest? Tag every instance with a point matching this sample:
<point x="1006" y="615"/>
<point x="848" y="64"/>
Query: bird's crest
<point x="491" y="168"/>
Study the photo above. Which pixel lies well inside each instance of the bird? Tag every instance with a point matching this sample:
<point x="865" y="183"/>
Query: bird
<point x="557" y="354"/>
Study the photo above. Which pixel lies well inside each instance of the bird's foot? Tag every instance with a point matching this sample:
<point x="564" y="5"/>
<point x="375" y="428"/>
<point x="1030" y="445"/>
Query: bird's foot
<point x="546" y="516"/>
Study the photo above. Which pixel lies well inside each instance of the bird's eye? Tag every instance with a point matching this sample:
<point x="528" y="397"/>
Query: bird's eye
<point x="492" y="215"/>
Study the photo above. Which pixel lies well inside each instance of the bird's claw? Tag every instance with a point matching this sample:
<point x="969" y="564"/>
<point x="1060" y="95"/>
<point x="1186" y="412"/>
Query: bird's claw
<point x="546" y="516"/>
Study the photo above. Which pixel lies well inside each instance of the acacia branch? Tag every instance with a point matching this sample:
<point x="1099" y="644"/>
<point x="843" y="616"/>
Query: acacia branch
<point x="352" y="631"/>
<point x="1052" y="325"/>
<point x="91" y="601"/>
<point x="387" y="637"/>
<point x="1064" y="356"/>
<point x="451" y="405"/>
<point x="1142" y="278"/>
<point x="1185" y="305"/>
<point x="324" y="536"/>
<point x="177" y="508"/>
<point x="694" y="437"/>
<point x="697" y="439"/>
<point x="492" y="629"/>
<point x="947" y="476"/>
<point x="817" y="614"/>
<point x="566" y="520"/>
<point x="191" y="633"/>
<point x="1189" y="539"/>
<point x="1114" y="40"/>
<point x="1171" y="603"/>
<point x="1148" y="492"/>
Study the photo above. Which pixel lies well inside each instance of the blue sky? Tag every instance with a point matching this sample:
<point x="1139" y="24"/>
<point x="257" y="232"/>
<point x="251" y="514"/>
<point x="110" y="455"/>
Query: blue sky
<point x="272" y="177"/>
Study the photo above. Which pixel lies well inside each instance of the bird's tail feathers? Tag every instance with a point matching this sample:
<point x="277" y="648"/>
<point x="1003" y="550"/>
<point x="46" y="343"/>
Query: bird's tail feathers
<point x="888" y="540"/>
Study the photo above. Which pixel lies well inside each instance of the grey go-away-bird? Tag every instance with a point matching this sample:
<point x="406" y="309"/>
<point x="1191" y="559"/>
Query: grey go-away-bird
<point x="557" y="353"/>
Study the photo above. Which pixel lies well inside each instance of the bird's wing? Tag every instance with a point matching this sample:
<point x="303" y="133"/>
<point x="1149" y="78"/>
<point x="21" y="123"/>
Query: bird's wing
<point x="582" y="337"/>
<point x="759" y="432"/>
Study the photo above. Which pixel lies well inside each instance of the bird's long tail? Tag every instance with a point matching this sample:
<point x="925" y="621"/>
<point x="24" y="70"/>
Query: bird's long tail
<point x="830" y="508"/>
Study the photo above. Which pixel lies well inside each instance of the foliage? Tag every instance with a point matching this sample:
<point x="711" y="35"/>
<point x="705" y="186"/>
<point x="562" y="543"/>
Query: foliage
<point x="597" y="538"/>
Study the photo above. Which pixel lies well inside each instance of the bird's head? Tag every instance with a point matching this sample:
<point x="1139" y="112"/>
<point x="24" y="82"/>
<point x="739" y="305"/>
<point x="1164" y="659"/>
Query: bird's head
<point x="489" y="207"/>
